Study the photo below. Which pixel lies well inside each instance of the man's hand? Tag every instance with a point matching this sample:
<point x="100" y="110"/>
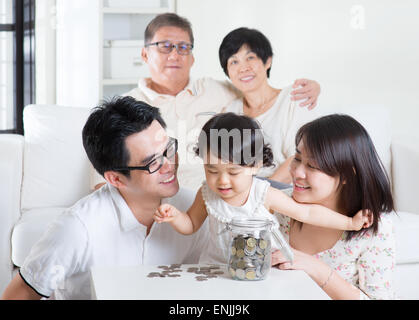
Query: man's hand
<point x="309" y="90"/>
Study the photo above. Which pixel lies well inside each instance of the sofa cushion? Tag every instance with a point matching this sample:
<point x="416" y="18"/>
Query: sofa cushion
<point x="56" y="168"/>
<point x="29" y="229"/>
<point x="406" y="227"/>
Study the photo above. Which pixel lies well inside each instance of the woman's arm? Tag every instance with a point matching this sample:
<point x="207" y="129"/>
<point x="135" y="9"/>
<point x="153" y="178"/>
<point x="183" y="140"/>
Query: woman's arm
<point x="311" y="213"/>
<point x="183" y="222"/>
<point x="326" y="277"/>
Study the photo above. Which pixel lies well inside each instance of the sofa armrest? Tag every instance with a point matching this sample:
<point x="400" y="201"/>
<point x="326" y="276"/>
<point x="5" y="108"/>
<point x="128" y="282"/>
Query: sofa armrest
<point x="405" y="173"/>
<point x="11" y="164"/>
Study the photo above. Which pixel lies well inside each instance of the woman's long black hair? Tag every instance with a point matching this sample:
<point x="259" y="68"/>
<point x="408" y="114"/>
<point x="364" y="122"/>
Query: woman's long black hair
<point x="341" y="147"/>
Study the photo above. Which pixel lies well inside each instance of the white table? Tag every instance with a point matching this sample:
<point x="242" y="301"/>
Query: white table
<point x="132" y="283"/>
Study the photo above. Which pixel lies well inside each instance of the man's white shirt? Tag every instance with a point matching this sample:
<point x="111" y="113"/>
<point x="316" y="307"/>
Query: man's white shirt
<point x="98" y="231"/>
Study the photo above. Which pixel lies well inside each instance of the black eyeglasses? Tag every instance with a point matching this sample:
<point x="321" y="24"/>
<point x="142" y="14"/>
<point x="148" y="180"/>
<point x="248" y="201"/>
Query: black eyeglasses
<point x="155" y="164"/>
<point x="182" y="48"/>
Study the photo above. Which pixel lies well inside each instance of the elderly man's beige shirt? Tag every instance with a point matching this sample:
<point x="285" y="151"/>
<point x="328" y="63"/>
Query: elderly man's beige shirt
<point x="185" y="114"/>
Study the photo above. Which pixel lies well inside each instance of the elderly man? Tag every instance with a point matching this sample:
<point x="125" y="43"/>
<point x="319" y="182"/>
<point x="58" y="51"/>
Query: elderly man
<point x="187" y="104"/>
<point x="127" y="144"/>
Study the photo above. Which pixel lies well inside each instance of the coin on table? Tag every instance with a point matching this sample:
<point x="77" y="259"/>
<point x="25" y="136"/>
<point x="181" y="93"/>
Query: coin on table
<point x="153" y="274"/>
<point x="201" y="278"/>
<point x="218" y="272"/>
<point x="233" y="251"/>
<point x="232" y="272"/>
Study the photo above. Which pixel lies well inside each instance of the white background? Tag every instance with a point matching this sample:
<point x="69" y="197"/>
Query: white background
<point x="361" y="52"/>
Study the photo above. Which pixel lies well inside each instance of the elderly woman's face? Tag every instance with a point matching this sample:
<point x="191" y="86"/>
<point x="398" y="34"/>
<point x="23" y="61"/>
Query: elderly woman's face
<point x="246" y="70"/>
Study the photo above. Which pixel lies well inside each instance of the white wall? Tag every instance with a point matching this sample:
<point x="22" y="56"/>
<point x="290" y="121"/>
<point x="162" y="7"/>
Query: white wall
<point x="361" y="52"/>
<point x="45" y="25"/>
<point x="78" y="59"/>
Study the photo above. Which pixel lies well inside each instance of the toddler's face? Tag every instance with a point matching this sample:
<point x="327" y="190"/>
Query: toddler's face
<point x="230" y="181"/>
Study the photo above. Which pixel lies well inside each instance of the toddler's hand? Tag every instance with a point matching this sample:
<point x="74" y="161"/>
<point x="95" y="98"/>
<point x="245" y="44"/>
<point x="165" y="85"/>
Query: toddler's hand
<point x="165" y="213"/>
<point x="363" y="219"/>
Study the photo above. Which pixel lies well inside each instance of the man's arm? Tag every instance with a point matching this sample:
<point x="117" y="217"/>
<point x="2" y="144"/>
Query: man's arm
<point x="309" y="90"/>
<point x="18" y="289"/>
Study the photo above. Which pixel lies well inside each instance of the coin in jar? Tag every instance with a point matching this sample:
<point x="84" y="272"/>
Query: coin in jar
<point x="250" y="274"/>
<point x="251" y="242"/>
<point x="241" y="264"/>
<point x="249" y="251"/>
<point x="239" y="241"/>
<point x="263" y="244"/>
<point x="240" y="273"/>
<point x="240" y="253"/>
<point x="233" y="250"/>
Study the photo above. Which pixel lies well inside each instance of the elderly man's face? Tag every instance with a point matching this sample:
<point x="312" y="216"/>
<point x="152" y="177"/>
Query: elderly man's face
<point x="168" y="67"/>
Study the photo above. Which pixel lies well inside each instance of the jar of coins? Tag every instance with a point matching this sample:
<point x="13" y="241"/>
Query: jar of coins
<point x="250" y="246"/>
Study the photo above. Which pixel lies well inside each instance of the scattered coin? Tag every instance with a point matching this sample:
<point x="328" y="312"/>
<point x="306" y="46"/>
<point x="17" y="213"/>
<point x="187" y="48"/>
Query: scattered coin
<point x="204" y="272"/>
<point x="173" y="275"/>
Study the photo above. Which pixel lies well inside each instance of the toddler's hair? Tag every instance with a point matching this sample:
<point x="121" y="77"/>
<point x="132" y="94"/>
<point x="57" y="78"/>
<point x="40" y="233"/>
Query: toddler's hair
<point x="236" y="139"/>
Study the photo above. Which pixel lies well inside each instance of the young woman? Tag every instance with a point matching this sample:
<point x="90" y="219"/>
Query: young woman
<point x="246" y="58"/>
<point x="337" y="166"/>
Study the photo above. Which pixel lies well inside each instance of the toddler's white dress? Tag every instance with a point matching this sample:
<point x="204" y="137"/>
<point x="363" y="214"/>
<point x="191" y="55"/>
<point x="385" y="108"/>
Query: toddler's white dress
<point x="220" y="213"/>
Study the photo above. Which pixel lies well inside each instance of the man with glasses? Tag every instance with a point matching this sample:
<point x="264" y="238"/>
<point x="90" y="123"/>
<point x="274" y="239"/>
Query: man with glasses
<point x="185" y="103"/>
<point x="127" y="144"/>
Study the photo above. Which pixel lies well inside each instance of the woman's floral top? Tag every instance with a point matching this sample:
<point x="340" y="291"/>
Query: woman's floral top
<point x="365" y="261"/>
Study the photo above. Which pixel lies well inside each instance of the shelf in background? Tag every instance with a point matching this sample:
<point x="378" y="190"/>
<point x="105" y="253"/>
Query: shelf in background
<point x="119" y="82"/>
<point x="134" y="10"/>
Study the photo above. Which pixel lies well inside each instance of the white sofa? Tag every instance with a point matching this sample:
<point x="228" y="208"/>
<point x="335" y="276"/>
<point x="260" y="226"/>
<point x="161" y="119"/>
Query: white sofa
<point x="47" y="170"/>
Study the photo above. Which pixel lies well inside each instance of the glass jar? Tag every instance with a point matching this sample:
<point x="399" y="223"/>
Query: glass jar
<point x="250" y="246"/>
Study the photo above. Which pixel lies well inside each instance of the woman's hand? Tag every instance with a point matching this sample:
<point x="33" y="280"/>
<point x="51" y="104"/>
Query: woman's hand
<point x="302" y="261"/>
<point x="310" y="91"/>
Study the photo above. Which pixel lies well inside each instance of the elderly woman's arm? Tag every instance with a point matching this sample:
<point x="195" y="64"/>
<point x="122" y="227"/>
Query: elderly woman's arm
<point x="327" y="278"/>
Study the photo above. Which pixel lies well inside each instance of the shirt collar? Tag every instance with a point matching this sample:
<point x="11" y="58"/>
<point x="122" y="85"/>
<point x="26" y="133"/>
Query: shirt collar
<point x="143" y="84"/>
<point x="127" y="219"/>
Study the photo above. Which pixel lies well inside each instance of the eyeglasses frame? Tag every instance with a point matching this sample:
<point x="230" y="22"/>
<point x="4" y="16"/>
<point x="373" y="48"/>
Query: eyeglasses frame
<point x="173" y="46"/>
<point x="147" y="166"/>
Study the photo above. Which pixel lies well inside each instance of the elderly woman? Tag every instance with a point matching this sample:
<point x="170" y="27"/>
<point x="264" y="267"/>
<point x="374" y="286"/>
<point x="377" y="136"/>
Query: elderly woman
<point x="246" y="57"/>
<point x="337" y="166"/>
